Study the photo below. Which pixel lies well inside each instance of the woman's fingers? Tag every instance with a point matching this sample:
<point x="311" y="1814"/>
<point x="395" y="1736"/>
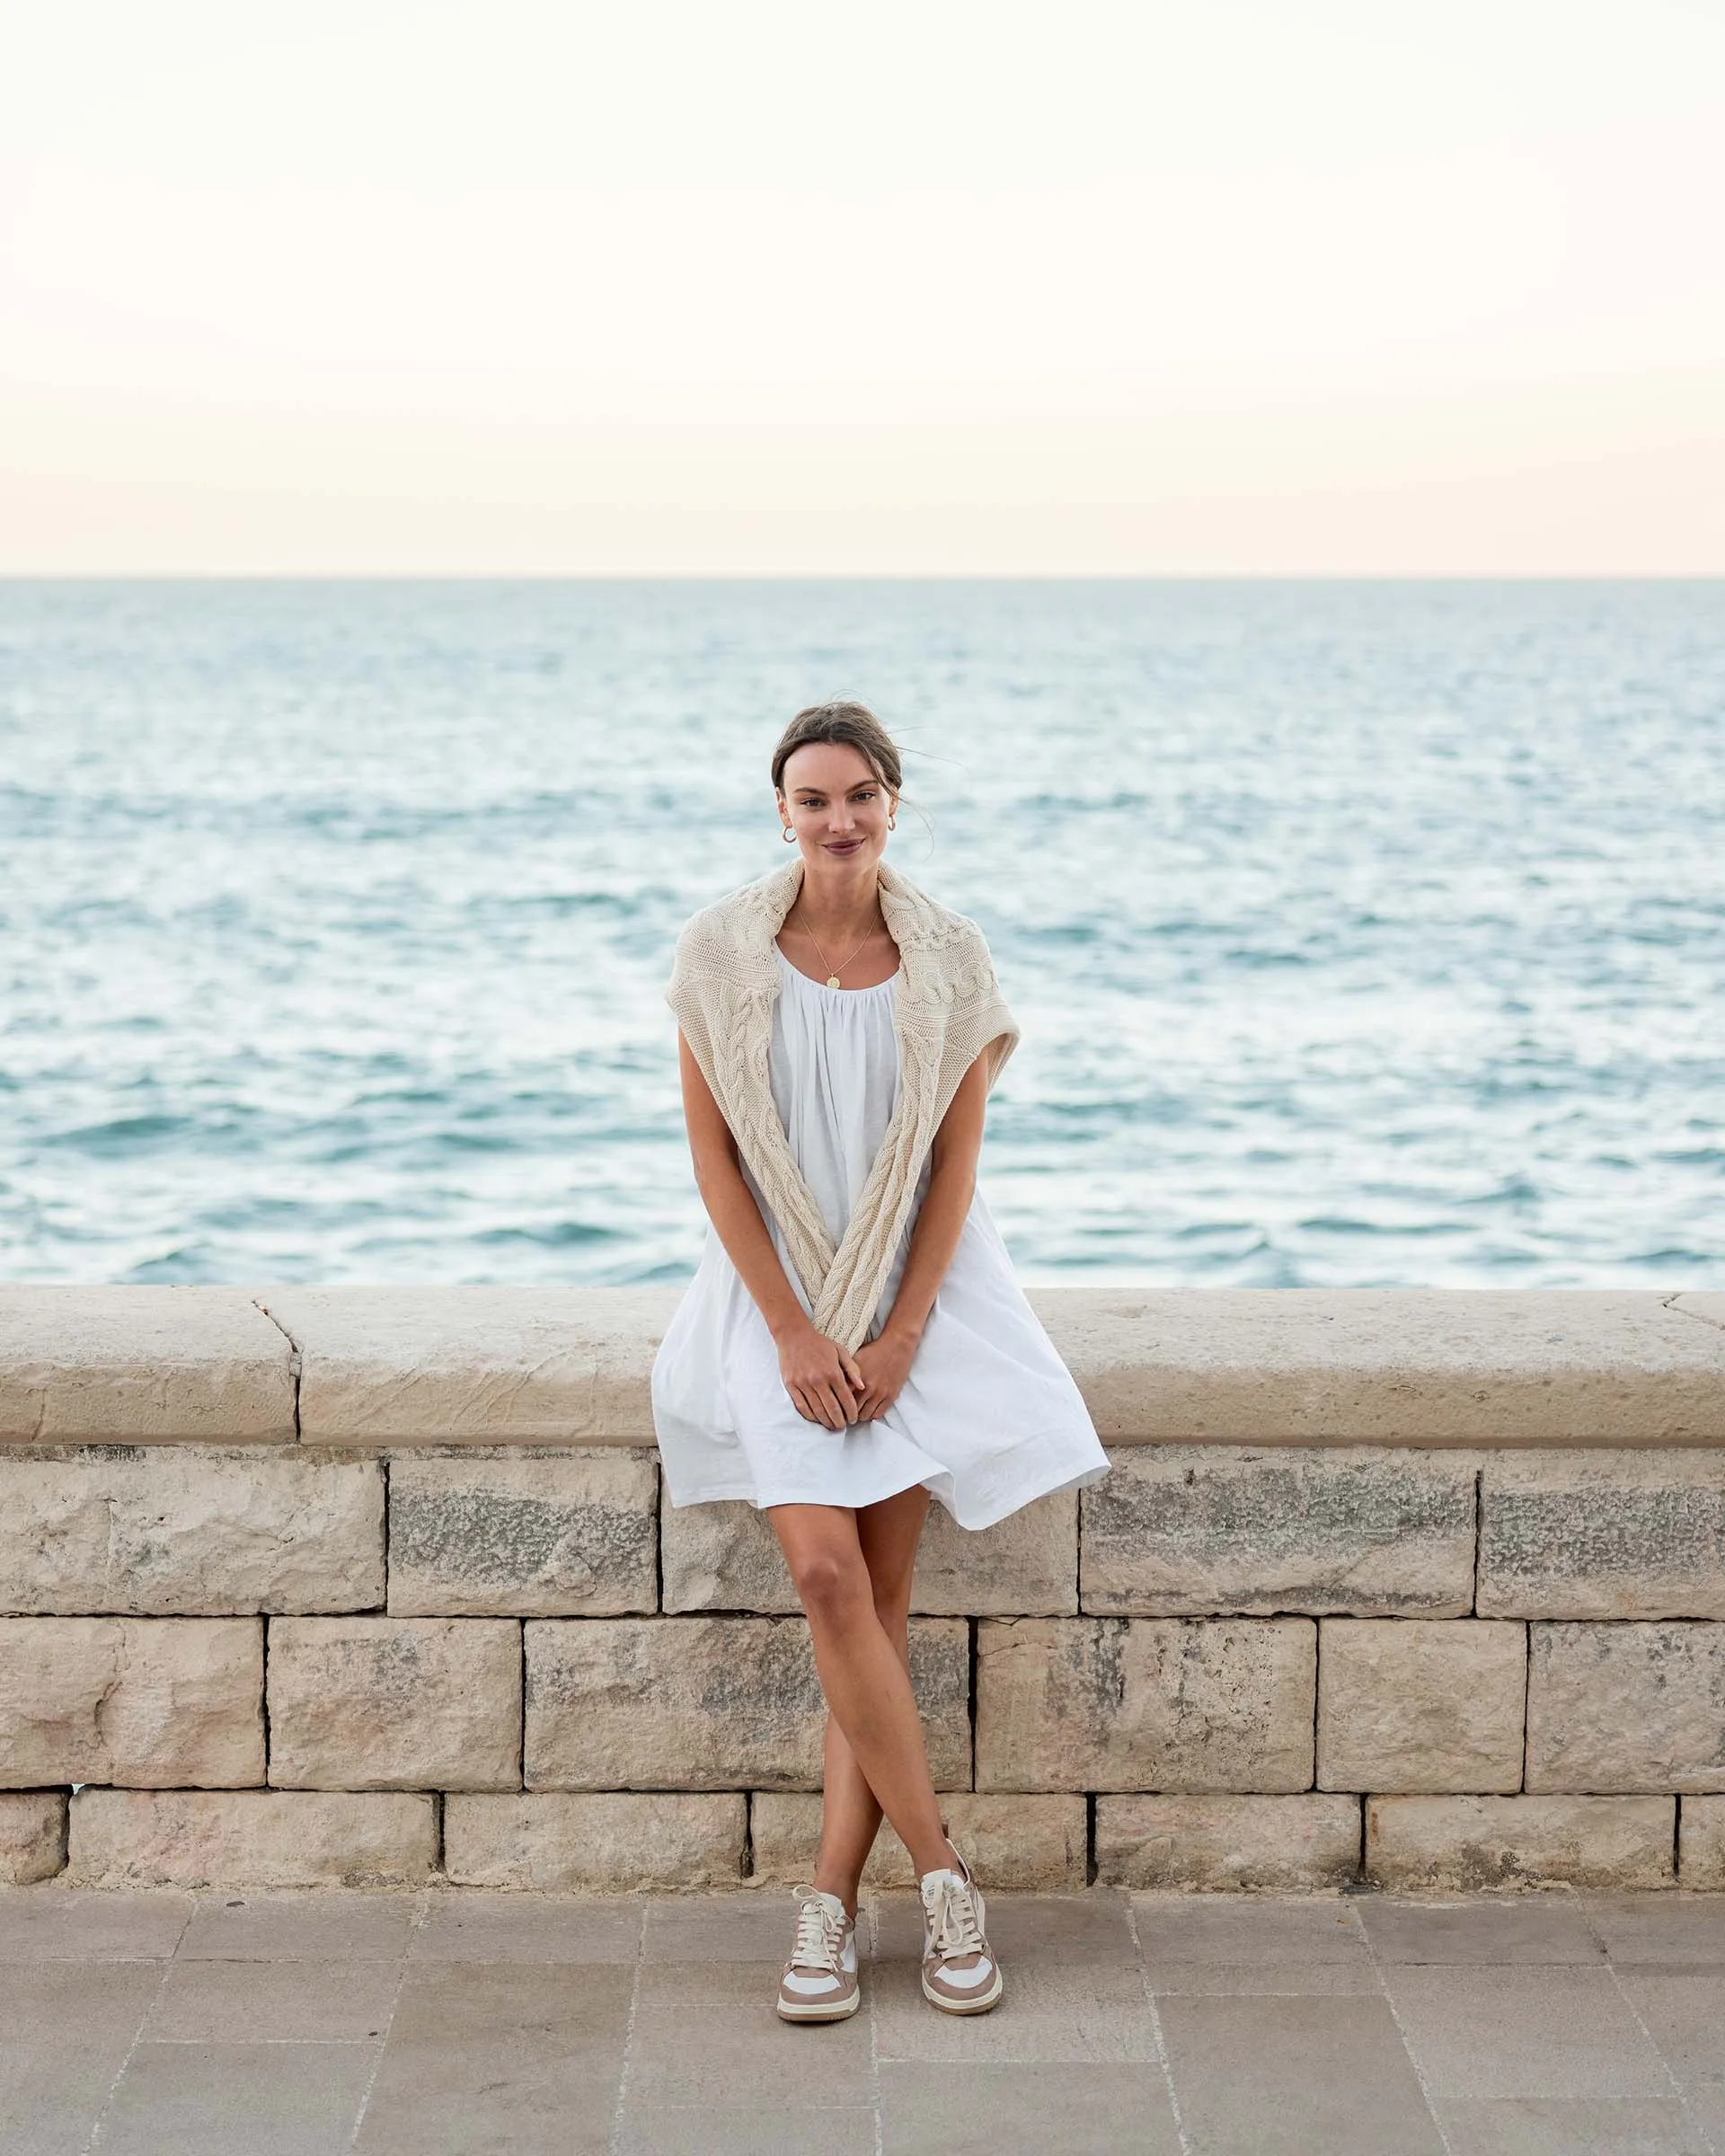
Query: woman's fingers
<point x="817" y="1403"/>
<point x="837" y="1396"/>
<point x="843" y="1385"/>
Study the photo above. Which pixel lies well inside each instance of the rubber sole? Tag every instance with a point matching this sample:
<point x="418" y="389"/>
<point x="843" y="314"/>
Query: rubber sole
<point x="979" y="2005"/>
<point x="815" y="2012"/>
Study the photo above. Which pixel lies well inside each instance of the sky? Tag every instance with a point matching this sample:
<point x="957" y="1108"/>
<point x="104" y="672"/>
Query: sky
<point x="1169" y="287"/>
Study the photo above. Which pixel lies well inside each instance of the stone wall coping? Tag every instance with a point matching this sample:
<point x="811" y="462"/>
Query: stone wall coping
<point x="147" y="1365"/>
<point x="374" y="1367"/>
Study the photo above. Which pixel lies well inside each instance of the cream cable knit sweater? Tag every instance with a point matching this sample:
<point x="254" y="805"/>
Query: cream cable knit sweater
<point x="947" y="1008"/>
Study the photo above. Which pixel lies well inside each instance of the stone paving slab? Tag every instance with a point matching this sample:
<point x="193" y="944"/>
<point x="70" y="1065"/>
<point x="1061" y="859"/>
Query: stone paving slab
<point x="1564" y="2127"/>
<point x="1296" y="2077"/>
<point x="69" y="2029"/>
<point x="447" y="2022"/>
<point x="209" y="2100"/>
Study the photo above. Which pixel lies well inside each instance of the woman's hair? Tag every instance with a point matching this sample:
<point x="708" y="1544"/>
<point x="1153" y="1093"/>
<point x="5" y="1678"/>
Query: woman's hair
<point x="854" y="725"/>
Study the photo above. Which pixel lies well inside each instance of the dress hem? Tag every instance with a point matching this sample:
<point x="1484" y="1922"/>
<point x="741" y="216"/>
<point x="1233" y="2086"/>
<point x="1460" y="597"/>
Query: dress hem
<point x="1051" y="1485"/>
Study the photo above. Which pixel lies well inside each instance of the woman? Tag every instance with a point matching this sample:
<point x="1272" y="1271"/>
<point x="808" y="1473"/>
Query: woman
<point x="855" y="1340"/>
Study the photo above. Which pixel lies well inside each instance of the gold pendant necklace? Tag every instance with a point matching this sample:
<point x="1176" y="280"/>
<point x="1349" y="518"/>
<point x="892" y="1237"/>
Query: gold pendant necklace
<point x="831" y="978"/>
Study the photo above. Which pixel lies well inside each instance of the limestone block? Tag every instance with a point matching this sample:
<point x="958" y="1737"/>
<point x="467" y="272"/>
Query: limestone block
<point x="1024" y="1566"/>
<point x="1701" y="1841"/>
<point x="251" y="1838"/>
<point x="1582" y="1535"/>
<point x="1017" y="1844"/>
<point x="727" y="1556"/>
<point x="33" y="1836"/>
<point x="475" y="1365"/>
<point x="1414" y="1704"/>
<point x="544" y="1535"/>
<point x="611" y="1842"/>
<point x="141" y="1365"/>
<point x="1277" y="1844"/>
<point x="1470" y="1367"/>
<point x="189" y="1532"/>
<point x="1145" y="1703"/>
<point x="153" y="1703"/>
<point x="394" y="1703"/>
<point x="1626" y="1706"/>
<point x="722" y="1556"/>
<point x="1465" y="1843"/>
<point x="711" y="1703"/>
<point x="1193" y="1530"/>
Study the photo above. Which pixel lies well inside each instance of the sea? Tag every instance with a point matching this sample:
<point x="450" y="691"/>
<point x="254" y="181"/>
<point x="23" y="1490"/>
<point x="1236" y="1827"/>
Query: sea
<point x="1360" y="935"/>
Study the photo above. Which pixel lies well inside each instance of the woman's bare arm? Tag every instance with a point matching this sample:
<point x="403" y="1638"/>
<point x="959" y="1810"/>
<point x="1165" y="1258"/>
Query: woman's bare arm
<point x="940" y="1219"/>
<point x="819" y="1375"/>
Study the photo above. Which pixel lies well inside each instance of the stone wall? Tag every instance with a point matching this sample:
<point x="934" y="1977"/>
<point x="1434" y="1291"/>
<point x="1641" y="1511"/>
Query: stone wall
<point x="376" y="1585"/>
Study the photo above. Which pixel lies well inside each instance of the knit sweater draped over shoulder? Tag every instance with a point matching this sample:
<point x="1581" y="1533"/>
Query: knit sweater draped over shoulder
<point x="947" y="1008"/>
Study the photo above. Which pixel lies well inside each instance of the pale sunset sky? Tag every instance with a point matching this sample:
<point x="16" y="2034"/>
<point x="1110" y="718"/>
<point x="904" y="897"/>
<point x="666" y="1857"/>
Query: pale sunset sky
<point x="359" y="286"/>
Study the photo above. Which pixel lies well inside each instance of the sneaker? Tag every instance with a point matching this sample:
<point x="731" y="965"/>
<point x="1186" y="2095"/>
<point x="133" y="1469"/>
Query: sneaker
<point x="819" y="1981"/>
<point x="959" y="1973"/>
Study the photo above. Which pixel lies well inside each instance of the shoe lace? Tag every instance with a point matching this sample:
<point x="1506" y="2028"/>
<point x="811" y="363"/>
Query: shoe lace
<point x="820" y="1935"/>
<point x="954" y="1929"/>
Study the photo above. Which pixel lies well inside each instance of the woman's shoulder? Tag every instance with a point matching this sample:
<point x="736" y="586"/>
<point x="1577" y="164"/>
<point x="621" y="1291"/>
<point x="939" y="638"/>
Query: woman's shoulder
<point x="955" y="946"/>
<point x="924" y="918"/>
<point x="729" y="923"/>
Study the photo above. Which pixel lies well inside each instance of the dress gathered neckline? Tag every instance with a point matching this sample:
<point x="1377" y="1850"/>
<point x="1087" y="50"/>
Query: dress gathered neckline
<point x="813" y="983"/>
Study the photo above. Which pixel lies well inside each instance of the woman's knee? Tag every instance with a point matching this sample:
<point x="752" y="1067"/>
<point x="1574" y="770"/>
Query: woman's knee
<point x="832" y="1585"/>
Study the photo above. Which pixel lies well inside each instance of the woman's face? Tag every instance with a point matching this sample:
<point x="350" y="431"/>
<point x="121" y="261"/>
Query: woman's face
<point x="834" y="803"/>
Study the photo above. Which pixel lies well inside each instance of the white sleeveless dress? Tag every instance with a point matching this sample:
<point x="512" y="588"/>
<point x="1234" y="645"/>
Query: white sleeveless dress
<point x="988" y="1417"/>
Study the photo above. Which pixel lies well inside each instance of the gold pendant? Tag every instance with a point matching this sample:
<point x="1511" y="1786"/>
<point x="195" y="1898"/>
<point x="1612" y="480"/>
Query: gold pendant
<point x="832" y="980"/>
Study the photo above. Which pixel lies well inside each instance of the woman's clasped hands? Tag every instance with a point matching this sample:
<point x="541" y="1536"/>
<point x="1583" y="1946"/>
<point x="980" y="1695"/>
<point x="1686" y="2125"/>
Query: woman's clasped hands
<point x="836" y="1386"/>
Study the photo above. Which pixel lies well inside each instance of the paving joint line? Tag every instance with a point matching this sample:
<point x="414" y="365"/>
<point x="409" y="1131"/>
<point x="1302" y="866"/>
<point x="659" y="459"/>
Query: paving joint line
<point x="131" y="2049"/>
<point x="874" y="2032"/>
<point x="629" y="2029"/>
<point x="1677" y="2090"/>
<point x="273" y="2043"/>
<point x="1156" y="2033"/>
<point x="421" y="1912"/>
<point x="1419" y="2071"/>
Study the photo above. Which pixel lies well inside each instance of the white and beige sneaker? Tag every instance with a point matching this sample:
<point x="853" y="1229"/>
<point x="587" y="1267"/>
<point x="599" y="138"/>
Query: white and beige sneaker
<point x="820" y="1982"/>
<point x="960" y="1972"/>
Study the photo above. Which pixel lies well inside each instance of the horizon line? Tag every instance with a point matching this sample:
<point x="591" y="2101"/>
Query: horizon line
<point x="865" y="576"/>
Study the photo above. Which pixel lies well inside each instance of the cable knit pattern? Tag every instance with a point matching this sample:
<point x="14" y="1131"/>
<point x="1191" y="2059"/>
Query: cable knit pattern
<point x="947" y="1008"/>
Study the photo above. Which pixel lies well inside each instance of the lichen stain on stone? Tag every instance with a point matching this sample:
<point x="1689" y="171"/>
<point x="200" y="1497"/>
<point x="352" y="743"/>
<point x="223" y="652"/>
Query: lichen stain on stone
<point x="775" y="1672"/>
<point x="1103" y="1656"/>
<point x="394" y="1666"/>
<point x="499" y="1539"/>
<point x="1542" y="1532"/>
<point x="939" y="1662"/>
<point x="1272" y="1506"/>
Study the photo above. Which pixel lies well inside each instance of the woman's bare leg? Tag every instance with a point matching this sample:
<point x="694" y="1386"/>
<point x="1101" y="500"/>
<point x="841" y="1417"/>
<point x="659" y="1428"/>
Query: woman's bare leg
<point x="850" y="1813"/>
<point x="864" y="1675"/>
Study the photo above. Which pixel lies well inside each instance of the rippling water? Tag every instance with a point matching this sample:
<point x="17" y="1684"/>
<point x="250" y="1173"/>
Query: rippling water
<point x="1359" y="933"/>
